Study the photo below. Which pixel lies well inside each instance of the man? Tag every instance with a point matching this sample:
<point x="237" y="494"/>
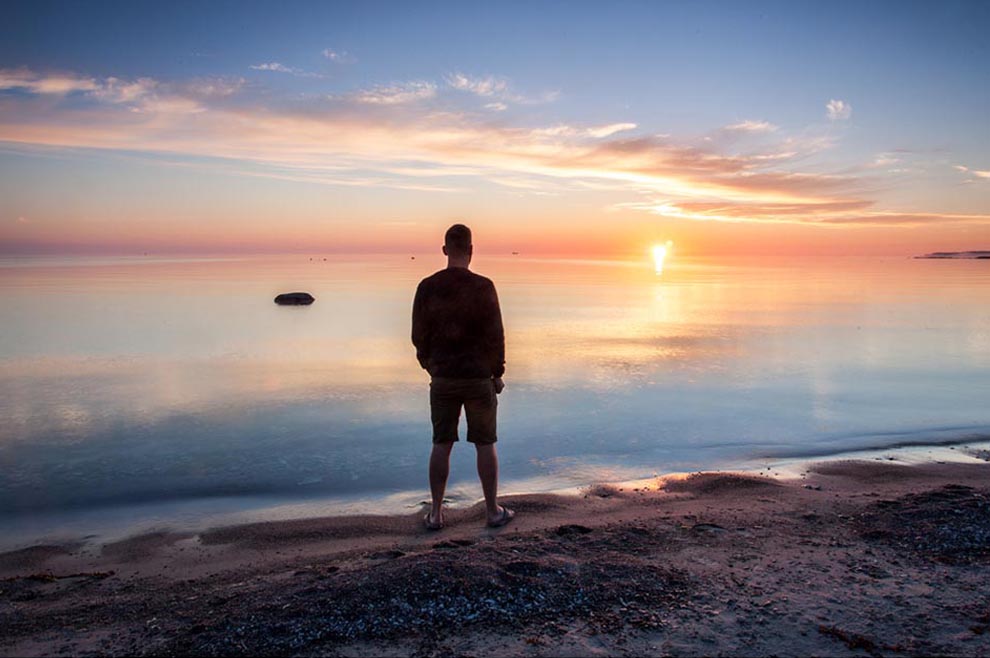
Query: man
<point x="457" y="331"/>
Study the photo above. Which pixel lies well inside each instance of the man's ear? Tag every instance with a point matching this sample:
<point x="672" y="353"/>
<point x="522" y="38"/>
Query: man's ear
<point x="444" y="249"/>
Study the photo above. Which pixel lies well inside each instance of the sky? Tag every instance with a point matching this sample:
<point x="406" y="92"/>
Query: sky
<point x="569" y="128"/>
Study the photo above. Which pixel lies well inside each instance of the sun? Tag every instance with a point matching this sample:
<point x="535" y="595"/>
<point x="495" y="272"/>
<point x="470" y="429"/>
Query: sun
<point x="660" y="253"/>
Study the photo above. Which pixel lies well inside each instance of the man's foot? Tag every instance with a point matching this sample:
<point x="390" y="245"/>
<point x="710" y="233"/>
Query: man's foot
<point x="433" y="522"/>
<point x="503" y="517"/>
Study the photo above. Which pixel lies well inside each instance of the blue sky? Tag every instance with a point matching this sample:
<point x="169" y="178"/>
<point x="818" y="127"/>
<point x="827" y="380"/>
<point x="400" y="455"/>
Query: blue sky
<point x="912" y="81"/>
<point x="754" y="55"/>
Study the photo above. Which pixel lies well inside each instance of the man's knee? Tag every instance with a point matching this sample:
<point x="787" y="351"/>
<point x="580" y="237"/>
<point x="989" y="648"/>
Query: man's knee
<point x="485" y="449"/>
<point x="443" y="449"/>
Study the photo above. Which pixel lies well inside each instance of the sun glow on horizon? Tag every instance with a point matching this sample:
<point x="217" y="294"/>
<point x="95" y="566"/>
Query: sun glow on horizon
<point x="296" y="144"/>
<point x="660" y="253"/>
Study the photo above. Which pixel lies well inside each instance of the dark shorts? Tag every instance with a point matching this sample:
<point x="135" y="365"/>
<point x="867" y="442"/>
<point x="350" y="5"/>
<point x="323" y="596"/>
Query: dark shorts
<point x="480" y="403"/>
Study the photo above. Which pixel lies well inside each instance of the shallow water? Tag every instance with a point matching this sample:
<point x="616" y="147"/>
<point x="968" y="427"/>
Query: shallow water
<point x="144" y="391"/>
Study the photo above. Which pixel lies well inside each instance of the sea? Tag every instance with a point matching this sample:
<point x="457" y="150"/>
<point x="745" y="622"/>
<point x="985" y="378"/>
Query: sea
<point x="147" y="392"/>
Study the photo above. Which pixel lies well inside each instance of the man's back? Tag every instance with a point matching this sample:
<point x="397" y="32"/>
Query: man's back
<point x="457" y="326"/>
<point x="457" y="331"/>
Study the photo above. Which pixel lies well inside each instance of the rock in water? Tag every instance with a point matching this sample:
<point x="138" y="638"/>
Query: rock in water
<point x="295" y="299"/>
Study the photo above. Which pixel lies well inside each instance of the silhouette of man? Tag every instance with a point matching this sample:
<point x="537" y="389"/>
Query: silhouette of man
<point x="459" y="339"/>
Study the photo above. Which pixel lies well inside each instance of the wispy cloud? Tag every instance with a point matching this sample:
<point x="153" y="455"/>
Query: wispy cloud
<point x="433" y="146"/>
<point x="610" y="129"/>
<point x="596" y="132"/>
<point x="139" y="95"/>
<point x="482" y="86"/>
<point x="751" y="127"/>
<point x="496" y="89"/>
<point x="212" y="88"/>
<point x="884" y="160"/>
<point x="882" y="218"/>
<point x="339" y="56"/>
<point x="272" y="66"/>
<point x="838" y="110"/>
<point x="276" y="67"/>
<point x="396" y="93"/>
<point x="836" y="213"/>
<point x="54" y="84"/>
<point x="975" y="172"/>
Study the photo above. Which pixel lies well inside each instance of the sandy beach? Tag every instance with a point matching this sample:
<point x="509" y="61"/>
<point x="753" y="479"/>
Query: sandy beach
<point x="852" y="558"/>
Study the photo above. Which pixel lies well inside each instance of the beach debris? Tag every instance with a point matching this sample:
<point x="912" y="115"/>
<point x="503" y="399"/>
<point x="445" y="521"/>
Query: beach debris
<point x="981" y="454"/>
<point x="49" y="577"/>
<point x="448" y="589"/>
<point x="571" y="529"/>
<point x="950" y="524"/>
<point x="386" y="555"/>
<point x="855" y="640"/>
<point x="317" y="571"/>
<point x="601" y="491"/>
<point x="813" y="487"/>
<point x="453" y="543"/>
<point x="525" y="568"/>
<point x="294" y="299"/>
<point x="982" y="626"/>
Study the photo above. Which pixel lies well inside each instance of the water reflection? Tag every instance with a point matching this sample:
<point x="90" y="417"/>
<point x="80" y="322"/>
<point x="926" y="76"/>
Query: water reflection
<point x="130" y="381"/>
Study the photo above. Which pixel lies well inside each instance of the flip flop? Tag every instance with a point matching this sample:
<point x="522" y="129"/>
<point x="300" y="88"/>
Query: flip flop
<point x="433" y="525"/>
<point x="503" y="518"/>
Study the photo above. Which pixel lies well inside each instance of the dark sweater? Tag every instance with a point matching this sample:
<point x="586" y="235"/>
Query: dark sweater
<point x="457" y="326"/>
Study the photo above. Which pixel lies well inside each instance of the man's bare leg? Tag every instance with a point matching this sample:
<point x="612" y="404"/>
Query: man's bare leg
<point x="439" y="470"/>
<point x="488" y="473"/>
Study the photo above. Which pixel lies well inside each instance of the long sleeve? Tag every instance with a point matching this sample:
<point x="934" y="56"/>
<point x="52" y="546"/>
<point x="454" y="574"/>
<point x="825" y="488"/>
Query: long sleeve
<point x="497" y="339"/>
<point x="420" y="327"/>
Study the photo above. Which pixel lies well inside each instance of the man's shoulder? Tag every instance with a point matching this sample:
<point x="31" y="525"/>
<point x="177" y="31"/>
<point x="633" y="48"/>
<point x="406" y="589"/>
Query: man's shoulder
<point x="456" y="275"/>
<point x="482" y="280"/>
<point x="434" y="279"/>
<point x="429" y="279"/>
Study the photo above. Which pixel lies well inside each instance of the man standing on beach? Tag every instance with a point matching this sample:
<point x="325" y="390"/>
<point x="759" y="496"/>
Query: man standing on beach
<point x="459" y="339"/>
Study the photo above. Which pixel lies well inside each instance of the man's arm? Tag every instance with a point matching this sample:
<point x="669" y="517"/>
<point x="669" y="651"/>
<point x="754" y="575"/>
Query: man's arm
<point x="497" y="338"/>
<point x="420" y="327"/>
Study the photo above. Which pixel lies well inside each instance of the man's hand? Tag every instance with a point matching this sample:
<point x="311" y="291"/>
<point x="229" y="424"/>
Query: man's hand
<point x="499" y="385"/>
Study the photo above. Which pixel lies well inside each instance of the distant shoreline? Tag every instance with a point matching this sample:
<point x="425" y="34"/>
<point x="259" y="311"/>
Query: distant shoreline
<point x="957" y="255"/>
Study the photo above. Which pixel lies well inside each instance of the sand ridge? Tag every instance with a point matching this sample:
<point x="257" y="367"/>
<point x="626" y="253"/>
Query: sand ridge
<point x="854" y="559"/>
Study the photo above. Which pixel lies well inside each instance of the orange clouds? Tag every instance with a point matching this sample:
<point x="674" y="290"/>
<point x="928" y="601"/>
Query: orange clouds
<point x="414" y="136"/>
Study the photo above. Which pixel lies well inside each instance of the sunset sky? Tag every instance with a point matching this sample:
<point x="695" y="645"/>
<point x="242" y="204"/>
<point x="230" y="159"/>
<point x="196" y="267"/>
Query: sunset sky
<point x="550" y="127"/>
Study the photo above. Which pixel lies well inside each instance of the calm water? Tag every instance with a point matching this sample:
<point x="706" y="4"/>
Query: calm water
<point x="136" y="392"/>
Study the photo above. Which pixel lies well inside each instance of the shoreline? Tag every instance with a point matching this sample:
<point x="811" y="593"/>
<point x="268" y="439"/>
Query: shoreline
<point x="198" y="515"/>
<point x="855" y="556"/>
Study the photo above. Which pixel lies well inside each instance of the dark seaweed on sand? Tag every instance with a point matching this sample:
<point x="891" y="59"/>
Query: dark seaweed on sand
<point x="950" y="524"/>
<point x="431" y="595"/>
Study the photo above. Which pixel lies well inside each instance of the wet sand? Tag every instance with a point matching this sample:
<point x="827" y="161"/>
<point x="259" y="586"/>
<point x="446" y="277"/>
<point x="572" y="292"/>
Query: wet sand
<point x="853" y="558"/>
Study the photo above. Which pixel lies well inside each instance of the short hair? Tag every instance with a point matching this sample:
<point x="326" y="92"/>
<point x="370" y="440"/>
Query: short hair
<point x="457" y="239"/>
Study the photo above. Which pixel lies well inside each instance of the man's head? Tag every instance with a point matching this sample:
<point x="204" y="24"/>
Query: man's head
<point x="457" y="243"/>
